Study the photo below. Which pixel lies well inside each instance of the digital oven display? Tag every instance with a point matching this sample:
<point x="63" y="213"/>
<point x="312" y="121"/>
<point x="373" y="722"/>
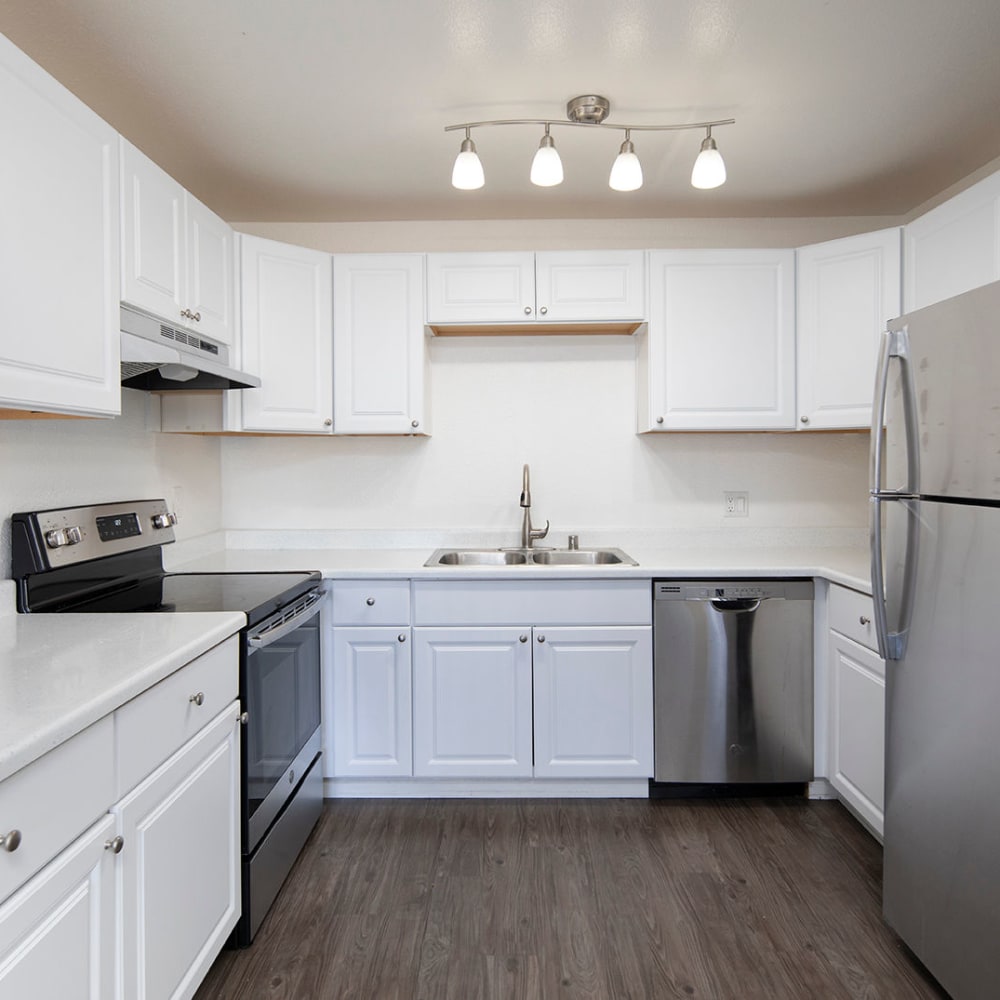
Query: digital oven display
<point x="118" y="526"/>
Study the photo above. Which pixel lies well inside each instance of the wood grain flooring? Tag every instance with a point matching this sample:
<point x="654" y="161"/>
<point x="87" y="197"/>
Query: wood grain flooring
<point x="625" y="899"/>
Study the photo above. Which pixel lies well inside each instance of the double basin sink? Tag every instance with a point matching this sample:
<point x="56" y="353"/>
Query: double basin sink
<point x="530" y="557"/>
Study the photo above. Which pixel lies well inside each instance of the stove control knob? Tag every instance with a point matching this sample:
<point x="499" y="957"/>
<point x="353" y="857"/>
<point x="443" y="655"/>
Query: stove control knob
<point x="166" y="520"/>
<point x="58" y="537"/>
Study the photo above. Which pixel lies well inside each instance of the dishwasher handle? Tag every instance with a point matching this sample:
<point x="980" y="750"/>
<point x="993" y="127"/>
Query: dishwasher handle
<point x="736" y="606"/>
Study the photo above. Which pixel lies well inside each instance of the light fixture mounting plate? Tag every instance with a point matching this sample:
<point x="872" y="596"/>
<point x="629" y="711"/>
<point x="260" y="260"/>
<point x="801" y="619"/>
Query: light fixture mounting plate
<point x="590" y="109"/>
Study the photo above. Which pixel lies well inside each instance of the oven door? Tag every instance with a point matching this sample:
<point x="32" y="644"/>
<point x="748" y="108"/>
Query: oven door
<point x="281" y="692"/>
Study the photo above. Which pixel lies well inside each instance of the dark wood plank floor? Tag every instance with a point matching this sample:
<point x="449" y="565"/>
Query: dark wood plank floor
<point x="610" y="899"/>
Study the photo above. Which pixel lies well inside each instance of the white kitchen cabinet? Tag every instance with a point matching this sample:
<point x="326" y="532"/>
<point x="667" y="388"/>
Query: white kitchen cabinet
<point x="179" y="876"/>
<point x="499" y="289"/>
<point x="178" y="259"/>
<point x="287" y="319"/>
<point x="856" y="702"/>
<point x="57" y="933"/>
<point x="472" y="702"/>
<point x="954" y="247"/>
<point x="593" y="702"/>
<point x="59" y="346"/>
<point x="848" y="289"/>
<point x="719" y="353"/>
<point x="379" y="352"/>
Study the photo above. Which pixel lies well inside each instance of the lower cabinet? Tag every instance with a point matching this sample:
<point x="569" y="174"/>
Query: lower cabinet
<point x="856" y="708"/>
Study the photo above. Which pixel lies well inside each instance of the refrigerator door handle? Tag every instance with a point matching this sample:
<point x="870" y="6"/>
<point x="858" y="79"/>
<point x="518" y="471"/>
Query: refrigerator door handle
<point x="892" y="644"/>
<point x="878" y="579"/>
<point x="895" y="344"/>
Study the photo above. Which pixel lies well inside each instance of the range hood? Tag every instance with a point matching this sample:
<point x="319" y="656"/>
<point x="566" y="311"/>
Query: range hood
<point x="159" y="357"/>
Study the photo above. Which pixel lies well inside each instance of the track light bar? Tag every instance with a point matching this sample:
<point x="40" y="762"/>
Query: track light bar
<point x="590" y="111"/>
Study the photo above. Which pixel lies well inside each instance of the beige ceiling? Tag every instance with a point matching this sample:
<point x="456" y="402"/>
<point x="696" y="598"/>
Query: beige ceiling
<point x="335" y="109"/>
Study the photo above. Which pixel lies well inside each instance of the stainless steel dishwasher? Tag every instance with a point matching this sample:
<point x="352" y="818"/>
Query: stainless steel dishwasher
<point x="733" y="681"/>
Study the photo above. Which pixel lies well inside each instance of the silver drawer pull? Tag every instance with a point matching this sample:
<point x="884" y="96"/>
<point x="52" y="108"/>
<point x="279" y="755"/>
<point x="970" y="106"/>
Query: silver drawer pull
<point x="114" y="845"/>
<point x="865" y="620"/>
<point x="10" y="842"/>
<point x="370" y="601"/>
<point x="198" y="699"/>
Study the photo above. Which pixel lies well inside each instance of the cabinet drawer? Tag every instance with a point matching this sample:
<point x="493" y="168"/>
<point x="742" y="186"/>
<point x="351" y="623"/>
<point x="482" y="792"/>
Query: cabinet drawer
<point x="852" y="615"/>
<point x="53" y="800"/>
<point x="371" y="602"/>
<point x="153" y="726"/>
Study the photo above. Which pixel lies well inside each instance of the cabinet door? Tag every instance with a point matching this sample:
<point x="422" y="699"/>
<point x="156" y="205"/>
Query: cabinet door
<point x="153" y="248"/>
<point x="59" y="332"/>
<point x="179" y="869"/>
<point x="57" y="933"/>
<point x="378" y="344"/>
<point x="287" y="316"/>
<point x="857" y="728"/>
<point x="472" y="702"/>
<point x="721" y="340"/>
<point x="210" y="294"/>
<point x="955" y="247"/>
<point x="590" y="286"/>
<point x="593" y="702"/>
<point x="847" y="291"/>
<point x="368" y="724"/>
<point x="480" y="288"/>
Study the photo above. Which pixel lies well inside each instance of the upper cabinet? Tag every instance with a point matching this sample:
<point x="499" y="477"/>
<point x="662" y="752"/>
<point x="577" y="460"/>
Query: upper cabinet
<point x="719" y="353"/>
<point x="59" y="349"/>
<point x="848" y="290"/>
<point x="954" y="247"/>
<point x="554" y="288"/>
<point x="287" y="313"/>
<point x="177" y="256"/>
<point x="379" y="354"/>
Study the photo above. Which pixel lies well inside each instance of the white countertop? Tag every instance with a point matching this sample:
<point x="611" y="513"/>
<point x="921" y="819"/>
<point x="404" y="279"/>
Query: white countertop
<point x="847" y="566"/>
<point x="60" y="673"/>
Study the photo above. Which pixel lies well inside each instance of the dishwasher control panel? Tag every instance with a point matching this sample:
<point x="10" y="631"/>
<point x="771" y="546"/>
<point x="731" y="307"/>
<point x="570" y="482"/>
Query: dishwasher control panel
<point x="733" y="590"/>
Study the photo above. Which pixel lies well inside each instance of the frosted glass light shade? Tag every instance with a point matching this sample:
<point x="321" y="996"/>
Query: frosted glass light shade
<point x="709" y="169"/>
<point x="467" y="174"/>
<point x="546" y="167"/>
<point x="626" y="171"/>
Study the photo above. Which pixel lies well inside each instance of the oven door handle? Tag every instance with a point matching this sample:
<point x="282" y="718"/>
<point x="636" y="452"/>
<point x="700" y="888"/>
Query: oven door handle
<point x="280" y="625"/>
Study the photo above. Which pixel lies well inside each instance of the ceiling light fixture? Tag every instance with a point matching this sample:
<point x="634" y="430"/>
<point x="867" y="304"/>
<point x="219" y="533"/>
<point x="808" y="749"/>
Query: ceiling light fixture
<point x="590" y="111"/>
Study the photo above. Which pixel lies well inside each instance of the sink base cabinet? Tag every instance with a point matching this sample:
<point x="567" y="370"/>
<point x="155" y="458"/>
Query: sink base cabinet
<point x="57" y="933"/>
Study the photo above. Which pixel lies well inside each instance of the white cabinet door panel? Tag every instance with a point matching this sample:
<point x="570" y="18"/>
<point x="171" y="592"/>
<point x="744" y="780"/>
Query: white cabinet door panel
<point x="480" y="288"/>
<point x="472" y="702"/>
<point x="847" y="291"/>
<point x="287" y="314"/>
<point x="57" y="933"/>
<point x="211" y="265"/>
<point x="369" y="721"/>
<point x="59" y="339"/>
<point x="721" y="340"/>
<point x="590" y="286"/>
<point x="593" y="702"/>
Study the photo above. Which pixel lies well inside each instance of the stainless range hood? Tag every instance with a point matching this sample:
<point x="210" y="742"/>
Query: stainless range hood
<point x="158" y="357"/>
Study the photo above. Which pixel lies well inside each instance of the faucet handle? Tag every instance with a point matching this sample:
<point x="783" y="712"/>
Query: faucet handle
<point x="540" y="532"/>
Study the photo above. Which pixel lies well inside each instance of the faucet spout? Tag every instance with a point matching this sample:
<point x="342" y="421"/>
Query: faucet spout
<point x="528" y="533"/>
<point x="526" y="487"/>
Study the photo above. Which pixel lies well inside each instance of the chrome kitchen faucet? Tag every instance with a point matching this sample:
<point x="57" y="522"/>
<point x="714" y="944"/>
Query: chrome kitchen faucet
<point x="528" y="533"/>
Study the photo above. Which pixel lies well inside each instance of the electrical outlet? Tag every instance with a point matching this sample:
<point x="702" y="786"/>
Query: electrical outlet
<point x="736" y="503"/>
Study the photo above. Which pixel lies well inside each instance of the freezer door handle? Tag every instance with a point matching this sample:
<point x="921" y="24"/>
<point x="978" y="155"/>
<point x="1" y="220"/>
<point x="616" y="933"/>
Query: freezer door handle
<point x="895" y="344"/>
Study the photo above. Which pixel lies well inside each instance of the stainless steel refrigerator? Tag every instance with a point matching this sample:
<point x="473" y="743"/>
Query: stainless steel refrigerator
<point x="935" y="532"/>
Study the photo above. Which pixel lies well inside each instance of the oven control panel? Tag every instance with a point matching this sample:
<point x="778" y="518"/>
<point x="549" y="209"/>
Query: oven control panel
<point x="48" y="539"/>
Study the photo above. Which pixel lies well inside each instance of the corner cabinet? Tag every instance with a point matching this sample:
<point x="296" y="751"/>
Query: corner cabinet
<point x="178" y="259"/>
<point x="543" y="290"/>
<point x="379" y="353"/>
<point x="287" y="315"/>
<point x="848" y="290"/>
<point x="59" y="349"/>
<point x="719" y="352"/>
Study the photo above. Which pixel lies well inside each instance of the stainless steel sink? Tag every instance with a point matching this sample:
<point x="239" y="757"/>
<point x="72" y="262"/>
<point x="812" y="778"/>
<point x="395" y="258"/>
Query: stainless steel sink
<point x="530" y="557"/>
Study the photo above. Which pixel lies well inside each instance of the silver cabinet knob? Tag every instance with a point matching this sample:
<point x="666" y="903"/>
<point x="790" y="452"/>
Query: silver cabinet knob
<point x="401" y="637"/>
<point x="196" y="317"/>
<point x="328" y="422"/>
<point x="186" y="313"/>
<point x="244" y="718"/>
<point x="10" y="842"/>
<point x="114" y="845"/>
<point x="865" y="620"/>
<point x="544" y="310"/>
<point x="522" y="638"/>
<point x="804" y="419"/>
<point x="659" y="420"/>
<point x="414" y="423"/>
<point x="527" y="310"/>
<point x="370" y="601"/>
<point x="198" y="698"/>
<point x="541" y="638"/>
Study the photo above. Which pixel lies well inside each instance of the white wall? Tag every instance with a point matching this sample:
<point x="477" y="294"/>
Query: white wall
<point x="566" y="405"/>
<point x="58" y="463"/>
